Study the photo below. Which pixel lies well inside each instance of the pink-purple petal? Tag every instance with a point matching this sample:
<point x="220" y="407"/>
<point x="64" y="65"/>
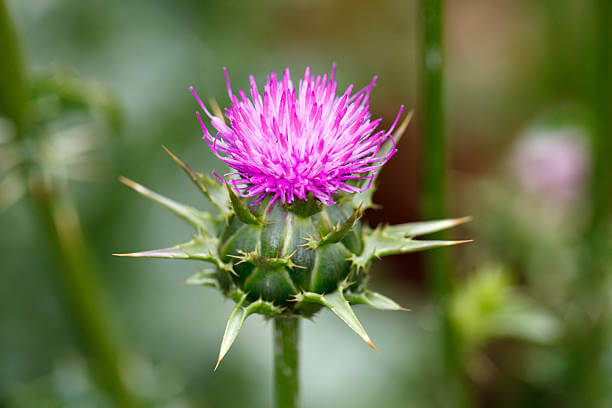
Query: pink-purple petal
<point x="287" y="143"/>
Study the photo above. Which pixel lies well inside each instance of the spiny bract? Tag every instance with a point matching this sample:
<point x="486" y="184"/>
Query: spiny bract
<point x="288" y="240"/>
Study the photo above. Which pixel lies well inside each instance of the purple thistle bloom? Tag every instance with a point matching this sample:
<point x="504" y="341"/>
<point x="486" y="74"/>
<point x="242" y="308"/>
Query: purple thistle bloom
<point x="291" y="142"/>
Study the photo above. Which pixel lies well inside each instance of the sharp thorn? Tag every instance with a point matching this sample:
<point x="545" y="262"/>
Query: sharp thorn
<point x="462" y="220"/>
<point x="466" y="241"/>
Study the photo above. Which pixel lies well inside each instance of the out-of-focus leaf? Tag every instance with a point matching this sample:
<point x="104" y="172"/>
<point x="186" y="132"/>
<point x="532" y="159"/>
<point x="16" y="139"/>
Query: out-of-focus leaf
<point x="9" y="158"/>
<point x="12" y="188"/>
<point x="487" y="306"/>
<point x="7" y="131"/>
<point x="74" y="93"/>
<point x="522" y="320"/>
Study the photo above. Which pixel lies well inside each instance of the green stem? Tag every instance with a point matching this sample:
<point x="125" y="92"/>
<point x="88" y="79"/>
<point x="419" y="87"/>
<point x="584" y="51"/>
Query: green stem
<point x="77" y="282"/>
<point x="433" y="187"/>
<point x="12" y="81"/>
<point x="286" y="367"/>
<point x="600" y="95"/>
<point x="588" y="333"/>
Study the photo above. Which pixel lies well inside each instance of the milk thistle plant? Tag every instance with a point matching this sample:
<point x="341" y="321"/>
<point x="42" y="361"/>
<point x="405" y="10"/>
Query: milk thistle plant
<point x="287" y="240"/>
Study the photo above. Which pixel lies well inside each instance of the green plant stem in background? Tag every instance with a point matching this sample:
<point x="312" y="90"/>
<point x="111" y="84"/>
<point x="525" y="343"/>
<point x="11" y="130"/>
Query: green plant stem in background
<point x="81" y="293"/>
<point x="433" y="185"/>
<point x="286" y="357"/>
<point x="12" y="82"/>
<point x="600" y="96"/>
<point x="588" y="334"/>
<point x="76" y="275"/>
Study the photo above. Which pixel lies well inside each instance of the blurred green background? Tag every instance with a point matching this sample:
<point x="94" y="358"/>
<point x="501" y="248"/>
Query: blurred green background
<point x="527" y="99"/>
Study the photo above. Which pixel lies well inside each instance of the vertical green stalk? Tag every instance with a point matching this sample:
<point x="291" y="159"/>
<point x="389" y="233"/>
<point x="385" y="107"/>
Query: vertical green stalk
<point x="76" y="277"/>
<point x="434" y="182"/>
<point x="589" y="332"/>
<point x="12" y="82"/>
<point x="81" y="294"/>
<point x="286" y="367"/>
<point x="433" y="186"/>
<point x="600" y="96"/>
<point x="557" y="80"/>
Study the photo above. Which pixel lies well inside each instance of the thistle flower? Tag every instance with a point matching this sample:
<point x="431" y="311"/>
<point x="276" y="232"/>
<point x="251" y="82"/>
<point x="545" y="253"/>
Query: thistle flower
<point x="552" y="163"/>
<point x="291" y="142"/>
<point x="287" y="240"/>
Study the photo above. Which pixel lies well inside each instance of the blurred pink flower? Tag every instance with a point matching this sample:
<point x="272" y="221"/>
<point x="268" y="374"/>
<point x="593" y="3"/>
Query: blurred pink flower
<point x="552" y="163"/>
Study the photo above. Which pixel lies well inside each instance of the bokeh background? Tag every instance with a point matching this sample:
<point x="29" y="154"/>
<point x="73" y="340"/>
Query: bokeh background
<point x="527" y="100"/>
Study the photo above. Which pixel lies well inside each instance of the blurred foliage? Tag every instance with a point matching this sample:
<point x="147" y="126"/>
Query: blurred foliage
<point x="534" y="325"/>
<point x="487" y="306"/>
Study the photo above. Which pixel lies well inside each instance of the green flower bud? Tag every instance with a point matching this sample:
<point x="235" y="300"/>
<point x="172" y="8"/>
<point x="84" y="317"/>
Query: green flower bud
<point x="276" y="259"/>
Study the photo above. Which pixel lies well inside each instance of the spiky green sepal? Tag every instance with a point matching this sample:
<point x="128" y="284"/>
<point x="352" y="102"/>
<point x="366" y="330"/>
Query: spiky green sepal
<point x="399" y="239"/>
<point x="243" y="309"/>
<point x="292" y="260"/>
<point x="337" y="303"/>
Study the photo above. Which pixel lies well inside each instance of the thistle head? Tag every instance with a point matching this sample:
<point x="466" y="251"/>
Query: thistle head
<point x="288" y="240"/>
<point x="288" y="142"/>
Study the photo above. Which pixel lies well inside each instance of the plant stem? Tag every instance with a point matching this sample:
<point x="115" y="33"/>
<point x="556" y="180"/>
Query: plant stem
<point x="433" y="187"/>
<point x="600" y="98"/>
<point x="12" y="81"/>
<point x="286" y="367"/>
<point x="588" y="334"/>
<point x="78" y="284"/>
<point x="76" y="276"/>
